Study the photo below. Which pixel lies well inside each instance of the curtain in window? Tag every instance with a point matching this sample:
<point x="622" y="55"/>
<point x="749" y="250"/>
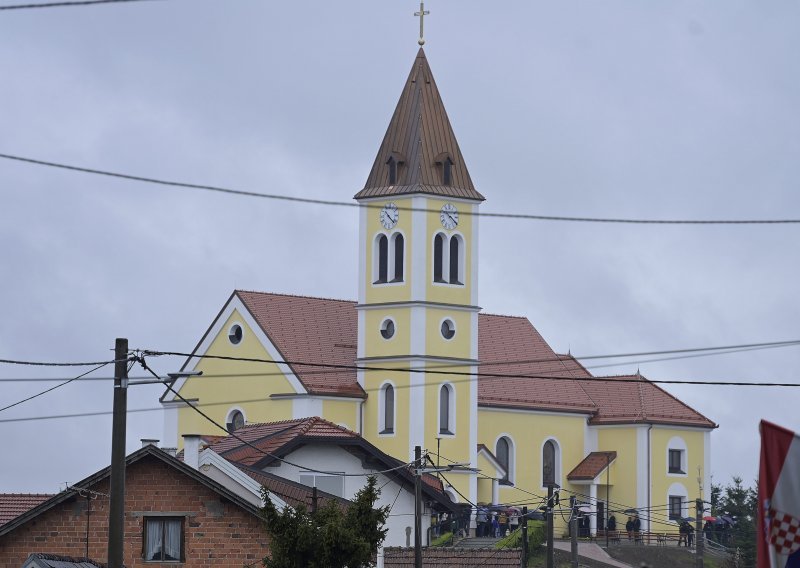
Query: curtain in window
<point x="153" y="539"/>
<point x="172" y="539"/>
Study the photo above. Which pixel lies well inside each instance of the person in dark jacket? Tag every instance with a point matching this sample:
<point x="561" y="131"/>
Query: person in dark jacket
<point x="637" y="528"/>
<point x="629" y="528"/>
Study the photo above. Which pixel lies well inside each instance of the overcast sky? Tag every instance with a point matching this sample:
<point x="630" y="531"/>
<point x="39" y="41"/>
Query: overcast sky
<point x="661" y="110"/>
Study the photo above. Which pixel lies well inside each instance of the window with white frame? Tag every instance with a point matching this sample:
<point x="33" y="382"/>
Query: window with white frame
<point x="333" y="484"/>
<point x="381" y="259"/>
<point x="551" y="470"/>
<point x="398" y="246"/>
<point x="676" y="456"/>
<point x="235" y="420"/>
<point x="386" y="419"/>
<point x="163" y="539"/>
<point x="448" y="259"/>
<point x="447" y="410"/>
<point x="504" y="452"/>
<point x="388" y="258"/>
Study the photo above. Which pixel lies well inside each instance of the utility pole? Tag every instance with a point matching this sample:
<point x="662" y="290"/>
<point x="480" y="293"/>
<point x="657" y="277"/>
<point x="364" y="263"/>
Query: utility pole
<point x="699" y="544"/>
<point x="524" y="537"/>
<point x="573" y="535"/>
<point x="549" y="515"/>
<point x="116" y="515"/>
<point x="417" y="507"/>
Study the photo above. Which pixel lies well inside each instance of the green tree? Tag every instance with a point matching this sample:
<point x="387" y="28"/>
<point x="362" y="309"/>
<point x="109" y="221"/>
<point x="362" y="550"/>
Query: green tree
<point x="741" y="502"/>
<point x="333" y="537"/>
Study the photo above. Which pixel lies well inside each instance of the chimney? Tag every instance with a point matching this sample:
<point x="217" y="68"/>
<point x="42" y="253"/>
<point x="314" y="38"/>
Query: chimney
<point x="149" y="442"/>
<point x="171" y="451"/>
<point x="191" y="450"/>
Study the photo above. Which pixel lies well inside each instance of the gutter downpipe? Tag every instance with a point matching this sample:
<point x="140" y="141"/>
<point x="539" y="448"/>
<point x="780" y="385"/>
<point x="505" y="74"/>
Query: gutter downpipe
<point x="649" y="477"/>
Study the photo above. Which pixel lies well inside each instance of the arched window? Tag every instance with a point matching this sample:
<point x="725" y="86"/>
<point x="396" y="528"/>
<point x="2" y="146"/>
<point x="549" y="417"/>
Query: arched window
<point x="446" y="410"/>
<point x="503" y="454"/>
<point x="235" y="420"/>
<point x="549" y="463"/>
<point x="438" y="258"/>
<point x="383" y="260"/>
<point x="454" y="260"/>
<point x="398" y="257"/>
<point x="387" y="424"/>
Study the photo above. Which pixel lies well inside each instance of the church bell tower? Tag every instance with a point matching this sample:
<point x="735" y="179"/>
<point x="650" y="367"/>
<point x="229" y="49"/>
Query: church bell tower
<point x="418" y="285"/>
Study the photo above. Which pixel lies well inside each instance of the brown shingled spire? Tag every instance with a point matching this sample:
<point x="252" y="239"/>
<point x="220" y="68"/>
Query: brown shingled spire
<point x="419" y="146"/>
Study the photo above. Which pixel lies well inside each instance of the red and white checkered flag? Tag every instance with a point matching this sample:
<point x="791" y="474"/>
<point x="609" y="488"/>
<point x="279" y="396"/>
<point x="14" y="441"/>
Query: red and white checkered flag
<point x="784" y="532"/>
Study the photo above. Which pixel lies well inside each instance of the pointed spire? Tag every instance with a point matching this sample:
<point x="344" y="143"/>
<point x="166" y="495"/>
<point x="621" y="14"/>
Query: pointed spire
<point x="420" y="153"/>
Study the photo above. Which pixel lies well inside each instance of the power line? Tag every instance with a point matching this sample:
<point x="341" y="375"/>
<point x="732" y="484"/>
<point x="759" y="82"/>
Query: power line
<point x="691" y="353"/>
<point x="55" y="364"/>
<point x="472" y="375"/>
<point x="140" y="359"/>
<point x="52" y="388"/>
<point x="65" y="4"/>
<point x="328" y="202"/>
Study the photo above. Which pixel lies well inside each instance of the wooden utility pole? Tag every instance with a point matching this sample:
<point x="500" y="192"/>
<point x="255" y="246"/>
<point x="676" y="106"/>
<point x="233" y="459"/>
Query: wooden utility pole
<point x="698" y="541"/>
<point x="524" y="537"/>
<point x="116" y="515"/>
<point x="549" y="513"/>
<point x="417" y="507"/>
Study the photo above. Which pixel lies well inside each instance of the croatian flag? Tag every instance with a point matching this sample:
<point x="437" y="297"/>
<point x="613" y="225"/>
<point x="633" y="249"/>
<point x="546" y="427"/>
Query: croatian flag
<point x="779" y="498"/>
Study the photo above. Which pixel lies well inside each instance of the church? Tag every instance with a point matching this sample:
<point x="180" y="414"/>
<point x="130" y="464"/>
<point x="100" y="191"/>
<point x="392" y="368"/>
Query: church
<point x="415" y="362"/>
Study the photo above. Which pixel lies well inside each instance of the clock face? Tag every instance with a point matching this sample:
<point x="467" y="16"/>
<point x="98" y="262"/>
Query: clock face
<point x="449" y="216"/>
<point x="389" y="215"/>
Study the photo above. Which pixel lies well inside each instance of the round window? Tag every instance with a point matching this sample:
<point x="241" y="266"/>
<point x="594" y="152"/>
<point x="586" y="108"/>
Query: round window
<point x="235" y="334"/>
<point x="448" y="329"/>
<point x="236" y="421"/>
<point x="387" y="329"/>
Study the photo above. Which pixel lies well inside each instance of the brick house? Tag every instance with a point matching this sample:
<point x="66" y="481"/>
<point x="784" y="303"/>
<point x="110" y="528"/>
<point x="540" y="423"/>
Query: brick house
<point x="171" y="511"/>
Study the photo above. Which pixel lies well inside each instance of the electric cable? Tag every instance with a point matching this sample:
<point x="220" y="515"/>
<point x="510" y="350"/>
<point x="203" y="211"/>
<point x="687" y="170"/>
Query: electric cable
<point x="63" y="4"/>
<point x="68" y="381"/>
<point x="329" y="202"/>
<point x="141" y="360"/>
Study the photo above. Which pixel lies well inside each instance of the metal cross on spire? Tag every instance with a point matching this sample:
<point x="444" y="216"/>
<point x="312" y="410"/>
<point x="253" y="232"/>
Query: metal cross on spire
<point x="422" y="13"/>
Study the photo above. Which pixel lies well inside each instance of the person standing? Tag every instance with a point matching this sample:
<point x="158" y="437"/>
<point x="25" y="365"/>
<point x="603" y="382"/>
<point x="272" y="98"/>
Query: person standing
<point x="637" y="527"/>
<point x="629" y="528"/>
<point x="502" y="520"/>
<point x="480" y="520"/>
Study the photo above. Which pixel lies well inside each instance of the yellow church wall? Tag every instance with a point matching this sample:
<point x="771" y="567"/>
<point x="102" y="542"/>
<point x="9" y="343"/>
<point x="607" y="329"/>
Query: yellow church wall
<point x="459" y="345"/>
<point x="390" y="292"/>
<point x="623" y="490"/>
<point x="220" y="383"/>
<point x="395" y="444"/>
<point x="487" y="469"/>
<point x="342" y="412"/>
<point x="661" y="436"/>
<point x="528" y="432"/>
<point x="449" y="293"/>
<point x="399" y="344"/>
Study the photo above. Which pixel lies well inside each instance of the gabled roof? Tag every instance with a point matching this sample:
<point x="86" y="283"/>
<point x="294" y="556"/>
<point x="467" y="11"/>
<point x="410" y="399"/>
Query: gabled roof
<point x="515" y="363"/>
<point x="149" y="451"/>
<point x="310" y="329"/>
<point x="12" y="505"/>
<point x="630" y="399"/>
<point x="420" y="138"/>
<point x="591" y="466"/>
<point x="270" y="442"/>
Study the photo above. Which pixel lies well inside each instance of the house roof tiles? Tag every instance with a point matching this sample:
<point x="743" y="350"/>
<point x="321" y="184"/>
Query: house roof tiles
<point x="591" y="466"/>
<point x="14" y="504"/>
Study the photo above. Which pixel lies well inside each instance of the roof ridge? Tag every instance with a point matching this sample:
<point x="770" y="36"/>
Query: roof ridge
<point x="302" y="296"/>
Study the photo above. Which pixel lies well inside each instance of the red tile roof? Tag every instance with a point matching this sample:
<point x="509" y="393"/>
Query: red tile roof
<point x="14" y="504"/>
<point x="270" y="439"/>
<point x="292" y="492"/>
<point x="311" y="330"/>
<point x="626" y="399"/>
<point x="314" y="330"/>
<point x="591" y="466"/>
